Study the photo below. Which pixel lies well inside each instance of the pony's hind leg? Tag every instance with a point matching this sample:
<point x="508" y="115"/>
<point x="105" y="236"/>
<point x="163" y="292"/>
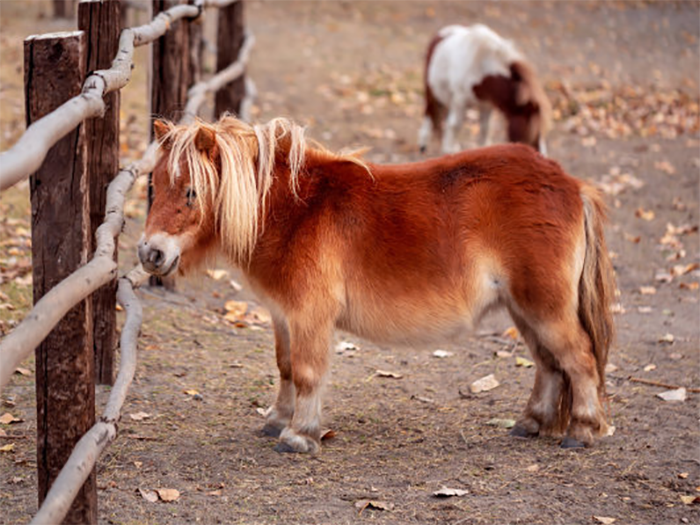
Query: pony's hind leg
<point x="571" y="390"/>
<point x="310" y="341"/>
<point x="280" y="413"/>
<point x="547" y="410"/>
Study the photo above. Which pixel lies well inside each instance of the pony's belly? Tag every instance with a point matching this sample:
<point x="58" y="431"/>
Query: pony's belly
<point x="408" y="325"/>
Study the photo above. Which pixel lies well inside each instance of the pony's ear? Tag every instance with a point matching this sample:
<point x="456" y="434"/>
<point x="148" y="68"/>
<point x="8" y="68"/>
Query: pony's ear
<point x="161" y="128"/>
<point x="205" y="140"/>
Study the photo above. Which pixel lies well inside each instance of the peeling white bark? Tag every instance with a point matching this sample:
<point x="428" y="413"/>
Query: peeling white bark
<point x="25" y="157"/>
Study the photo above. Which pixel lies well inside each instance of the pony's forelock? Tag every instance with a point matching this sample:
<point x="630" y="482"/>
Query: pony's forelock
<point x="247" y="155"/>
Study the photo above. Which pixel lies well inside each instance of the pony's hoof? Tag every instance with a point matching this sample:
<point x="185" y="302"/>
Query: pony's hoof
<point x="423" y="149"/>
<point x="271" y="430"/>
<point x="569" y="442"/>
<point x="290" y="441"/>
<point x="522" y="432"/>
<point x="285" y="448"/>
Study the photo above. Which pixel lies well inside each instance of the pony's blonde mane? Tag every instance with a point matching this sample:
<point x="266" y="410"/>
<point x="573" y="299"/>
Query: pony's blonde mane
<point x="247" y="153"/>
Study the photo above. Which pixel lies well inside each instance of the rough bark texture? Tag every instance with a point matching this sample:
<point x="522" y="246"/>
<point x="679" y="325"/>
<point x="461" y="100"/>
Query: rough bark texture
<point x="65" y="389"/>
<point x="101" y="22"/>
<point x="229" y="40"/>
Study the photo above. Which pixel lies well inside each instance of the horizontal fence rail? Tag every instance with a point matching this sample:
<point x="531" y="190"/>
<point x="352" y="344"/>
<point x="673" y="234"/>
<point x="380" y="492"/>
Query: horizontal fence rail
<point x="30" y="150"/>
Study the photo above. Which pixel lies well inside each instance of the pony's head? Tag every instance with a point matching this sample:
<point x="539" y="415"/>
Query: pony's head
<point x="210" y="187"/>
<point x="530" y="115"/>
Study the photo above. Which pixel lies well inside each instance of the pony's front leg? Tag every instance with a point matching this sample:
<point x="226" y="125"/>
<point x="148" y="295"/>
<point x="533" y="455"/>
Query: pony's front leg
<point x="310" y="342"/>
<point x="280" y="413"/>
<point x="455" y="119"/>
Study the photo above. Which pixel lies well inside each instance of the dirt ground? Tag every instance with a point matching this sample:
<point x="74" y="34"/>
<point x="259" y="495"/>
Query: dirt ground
<point x="623" y="78"/>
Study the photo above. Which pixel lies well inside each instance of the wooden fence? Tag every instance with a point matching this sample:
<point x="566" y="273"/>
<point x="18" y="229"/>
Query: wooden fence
<point x="70" y="149"/>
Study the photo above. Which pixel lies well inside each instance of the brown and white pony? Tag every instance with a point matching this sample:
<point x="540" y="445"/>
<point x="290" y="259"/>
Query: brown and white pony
<point x="475" y="67"/>
<point x="399" y="254"/>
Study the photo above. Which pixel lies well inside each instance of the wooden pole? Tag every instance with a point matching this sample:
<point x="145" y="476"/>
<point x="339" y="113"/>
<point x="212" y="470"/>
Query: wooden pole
<point x="101" y="22"/>
<point x="55" y="67"/>
<point x="230" y="36"/>
<point x="62" y="8"/>
<point x="172" y="74"/>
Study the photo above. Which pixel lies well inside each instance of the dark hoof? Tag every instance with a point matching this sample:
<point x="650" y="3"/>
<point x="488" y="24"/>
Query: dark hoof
<point x="570" y="442"/>
<point x="521" y="432"/>
<point x="423" y="149"/>
<point x="283" y="447"/>
<point x="271" y="430"/>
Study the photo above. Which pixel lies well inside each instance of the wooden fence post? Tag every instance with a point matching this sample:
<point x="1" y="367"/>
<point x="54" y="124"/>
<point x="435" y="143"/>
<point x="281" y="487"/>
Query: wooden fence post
<point x="54" y="67"/>
<point x="63" y="8"/>
<point x="230" y="37"/>
<point x="172" y="74"/>
<point x="101" y="21"/>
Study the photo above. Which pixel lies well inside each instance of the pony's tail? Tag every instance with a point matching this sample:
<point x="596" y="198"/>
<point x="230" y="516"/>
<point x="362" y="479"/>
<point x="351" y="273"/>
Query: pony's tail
<point x="597" y="284"/>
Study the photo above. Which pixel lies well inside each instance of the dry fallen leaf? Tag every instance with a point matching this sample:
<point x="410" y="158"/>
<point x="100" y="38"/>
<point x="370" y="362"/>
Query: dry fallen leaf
<point x="604" y="520"/>
<point x="673" y="395"/>
<point x="327" y="434"/>
<point x="235" y="310"/>
<point x="484" y="384"/>
<point x="168" y="494"/>
<point x="446" y="492"/>
<point x="511" y="332"/>
<point x="645" y="309"/>
<point x="647" y="290"/>
<point x="373" y="504"/>
<point x="647" y="215"/>
<point x="346" y="347"/>
<point x="7" y="419"/>
<point x="525" y="363"/>
<point x="149" y="495"/>
<point x="191" y="392"/>
<point x="139" y="416"/>
<point x="667" y="338"/>
<point x="384" y="373"/>
<point x="690" y="500"/>
<point x="7" y="448"/>
<point x="665" y="166"/>
<point x="682" y="269"/>
<point x="650" y="367"/>
<point x="23" y="371"/>
<point x="442" y="353"/>
<point x="501" y="423"/>
<point x="695" y="285"/>
<point x="533" y="468"/>
<point x="217" y="275"/>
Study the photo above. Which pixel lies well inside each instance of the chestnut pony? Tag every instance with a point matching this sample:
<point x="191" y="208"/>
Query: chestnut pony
<point x="399" y="254"/>
<point x="474" y="67"/>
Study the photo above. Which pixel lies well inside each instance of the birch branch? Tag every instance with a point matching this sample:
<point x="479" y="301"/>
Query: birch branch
<point x="30" y="150"/>
<point x="17" y="345"/>
<point x="84" y="456"/>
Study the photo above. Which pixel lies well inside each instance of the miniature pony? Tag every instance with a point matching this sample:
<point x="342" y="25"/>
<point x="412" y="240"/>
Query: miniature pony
<point x="473" y="66"/>
<point x="399" y="254"/>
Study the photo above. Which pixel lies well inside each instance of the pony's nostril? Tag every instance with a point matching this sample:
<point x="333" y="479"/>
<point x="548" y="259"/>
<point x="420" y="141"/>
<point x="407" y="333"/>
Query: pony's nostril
<point x="156" y="257"/>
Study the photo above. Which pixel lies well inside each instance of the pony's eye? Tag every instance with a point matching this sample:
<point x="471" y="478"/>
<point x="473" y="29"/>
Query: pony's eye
<point x="191" y="196"/>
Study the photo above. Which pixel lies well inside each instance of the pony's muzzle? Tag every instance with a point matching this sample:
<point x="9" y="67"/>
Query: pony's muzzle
<point x="158" y="256"/>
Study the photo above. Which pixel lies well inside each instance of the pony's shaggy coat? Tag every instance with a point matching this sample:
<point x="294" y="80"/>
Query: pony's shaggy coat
<point x="408" y="253"/>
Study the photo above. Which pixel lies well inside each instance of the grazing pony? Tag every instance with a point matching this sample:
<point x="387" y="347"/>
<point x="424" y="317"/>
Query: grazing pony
<point x="473" y="66"/>
<point x="399" y="254"/>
